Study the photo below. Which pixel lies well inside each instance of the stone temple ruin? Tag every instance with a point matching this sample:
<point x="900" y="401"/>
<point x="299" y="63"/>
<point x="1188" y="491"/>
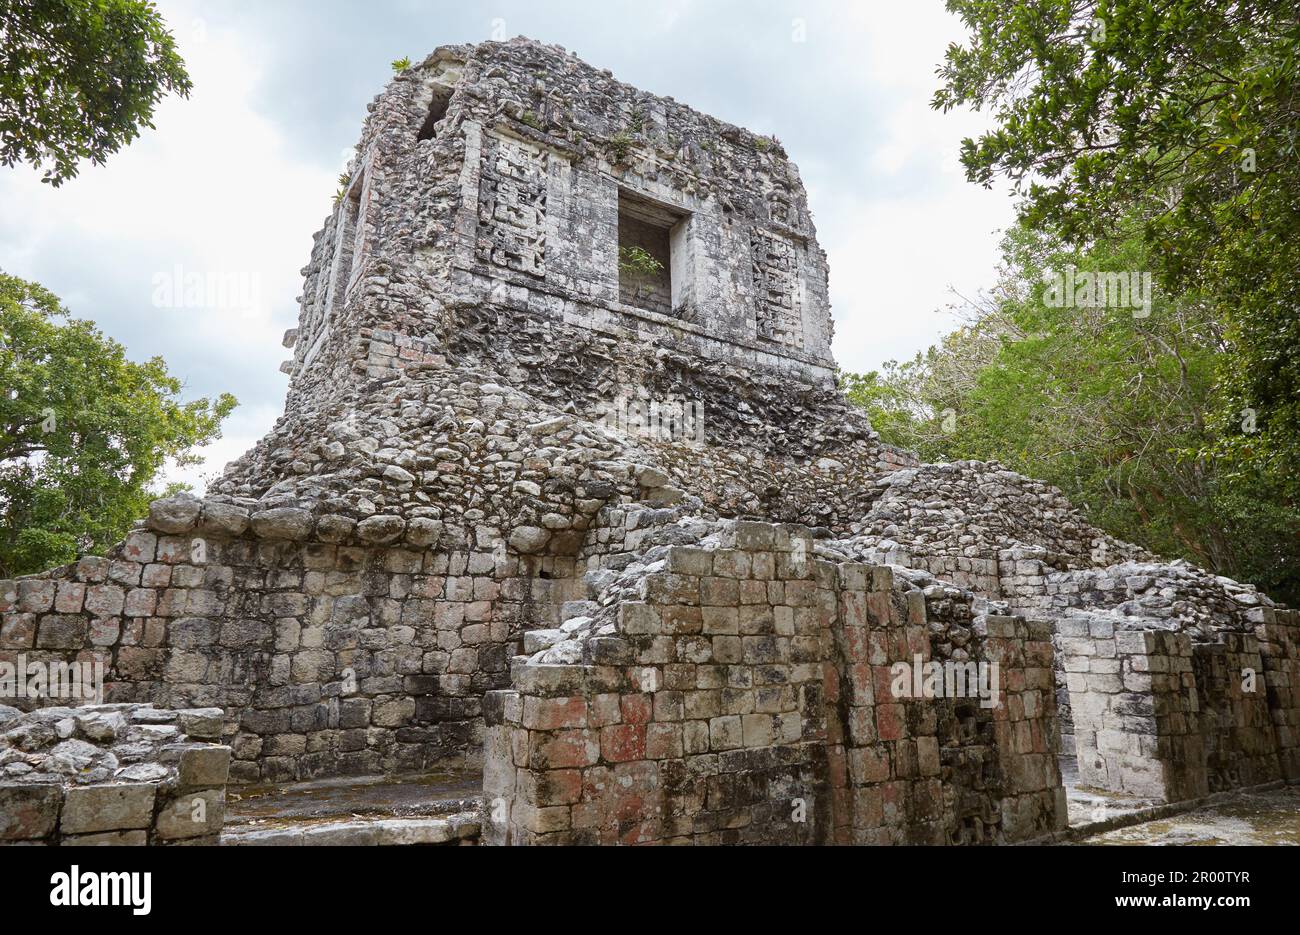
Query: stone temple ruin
<point x="565" y="497"/>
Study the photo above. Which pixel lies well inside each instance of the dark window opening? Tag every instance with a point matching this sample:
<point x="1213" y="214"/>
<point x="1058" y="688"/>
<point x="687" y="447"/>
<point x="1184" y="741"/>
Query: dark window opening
<point x="437" y="110"/>
<point x="646" y="232"/>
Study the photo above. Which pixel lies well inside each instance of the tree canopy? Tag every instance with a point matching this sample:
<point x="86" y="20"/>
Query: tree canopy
<point x="1107" y="403"/>
<point x="84" y="431"/>
<point x="1183" y="118"/>
<point x="1148" y="143"/>
<point x="79" y="78"/>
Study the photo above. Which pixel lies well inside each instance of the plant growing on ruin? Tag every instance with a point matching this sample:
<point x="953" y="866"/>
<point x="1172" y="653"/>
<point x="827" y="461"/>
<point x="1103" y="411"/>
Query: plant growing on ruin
<point x="530" y="119"/>
<point x="637" y="262"/>
<point x="344" y="181"/>
<point x="401" y="64"/>
<point x="620" y="145"/>
<point x="79" y="78"/>
<point x="84" y="432"/>
<point x="638" y="265"/>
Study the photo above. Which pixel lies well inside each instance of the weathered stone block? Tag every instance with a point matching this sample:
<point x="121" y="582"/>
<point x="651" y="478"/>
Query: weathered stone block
<point x="191" y="815"/>
<point x="202" y="767"/>
<point x="108" y="808"/>
<point x="29" y="812"/>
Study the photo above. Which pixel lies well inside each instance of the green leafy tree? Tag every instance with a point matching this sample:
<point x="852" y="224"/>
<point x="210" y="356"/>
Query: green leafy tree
<point x="1181" y="115"/>
<point x="79" y="78"/>
<point x="1104" y="403"/>
<point x="83" y="432"/>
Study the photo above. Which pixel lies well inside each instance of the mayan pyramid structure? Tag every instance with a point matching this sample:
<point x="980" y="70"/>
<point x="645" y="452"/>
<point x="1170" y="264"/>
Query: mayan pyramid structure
<point x="565" y="491"/>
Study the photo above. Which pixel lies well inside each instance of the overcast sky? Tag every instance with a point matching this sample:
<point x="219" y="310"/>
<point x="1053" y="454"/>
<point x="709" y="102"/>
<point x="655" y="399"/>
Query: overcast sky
<point x="235" y="180"/>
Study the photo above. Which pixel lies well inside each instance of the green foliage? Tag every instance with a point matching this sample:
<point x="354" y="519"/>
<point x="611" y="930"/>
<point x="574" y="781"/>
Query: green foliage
<point x="637" y="267"/>
<point x="1180" y="115"/>
<point x="344" y="181"/>
<point x="79" y="78"/>
<point x="530" y="119"/>
<point x="401" y="64"/>
<point x="83" y="432"/>
<point x="1105" y="405"/>
<point x="620" y="145"/>
<point x="637" y="262"/>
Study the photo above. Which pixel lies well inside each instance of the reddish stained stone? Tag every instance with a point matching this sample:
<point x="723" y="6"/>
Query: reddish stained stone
<point x="878" y="647"/>
<point x="563" y="749"/>
<point x="637" y="709"/>
<point x="878" y="609"/>
<point x="883" y="683"/>
<point x="623" y="742"/>
<point x="559" y="787"/>
<point x="855" y="644"/>
<point x="889" y="721"/>
<point x="554" y="713"/>
<point x="855" y="612"/>
<point x="629" y="807"/>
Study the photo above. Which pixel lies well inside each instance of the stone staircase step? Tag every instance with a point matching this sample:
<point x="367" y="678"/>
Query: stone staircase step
<point x="460" y="828"/>
<point x="441" y="808"/>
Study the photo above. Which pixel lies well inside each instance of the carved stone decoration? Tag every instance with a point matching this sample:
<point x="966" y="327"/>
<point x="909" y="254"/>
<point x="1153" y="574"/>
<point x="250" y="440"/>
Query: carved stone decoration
<point x="512" y="206"/>
<point x="777" y="315"/>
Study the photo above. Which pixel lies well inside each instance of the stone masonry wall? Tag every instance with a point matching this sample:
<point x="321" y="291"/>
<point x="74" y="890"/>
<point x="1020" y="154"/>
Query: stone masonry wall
<point x="1278" y="631"/>
<point x="1136" y="709"/>
<point x="1238" y="738"/>
<point x="328" y="659"/>
<point x="112" y="774"/>
<point x="748" y="698"/>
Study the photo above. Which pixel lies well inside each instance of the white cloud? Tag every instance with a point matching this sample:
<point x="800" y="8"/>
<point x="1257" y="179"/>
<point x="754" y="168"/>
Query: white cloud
<point x="914" y="229"/>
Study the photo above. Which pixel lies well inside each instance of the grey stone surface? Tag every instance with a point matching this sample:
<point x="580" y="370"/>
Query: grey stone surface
<point x="191" y="815"/>
<point x="108" y="808"/>
<point x="30" y="811"/>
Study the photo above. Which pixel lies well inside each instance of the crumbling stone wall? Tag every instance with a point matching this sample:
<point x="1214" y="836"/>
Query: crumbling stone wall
<point x="111" y="774"/>
<point x="747" y="697"/>
<point x="329" y="659"/>
<point x="970" y="522"/>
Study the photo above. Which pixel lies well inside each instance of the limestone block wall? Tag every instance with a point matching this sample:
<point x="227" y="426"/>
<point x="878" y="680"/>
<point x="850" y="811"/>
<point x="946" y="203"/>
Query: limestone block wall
<point x="1239" y="743"/>
<point x="328" y="659"/>
<point x="112" y="774"/>
<point x="702" y="720"/>
<point x="1002" y="780"/>
<point x="1136" y="708"/>
<point x="1278" y="631"/>
<point x="749" y="696"/>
